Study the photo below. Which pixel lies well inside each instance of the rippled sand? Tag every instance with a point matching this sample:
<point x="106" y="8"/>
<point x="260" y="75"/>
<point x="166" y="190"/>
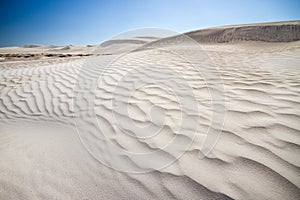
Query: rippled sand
<point x="256" y="156"/>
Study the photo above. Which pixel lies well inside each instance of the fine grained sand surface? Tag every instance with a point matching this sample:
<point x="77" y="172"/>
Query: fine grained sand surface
<point x="256" y="156"/>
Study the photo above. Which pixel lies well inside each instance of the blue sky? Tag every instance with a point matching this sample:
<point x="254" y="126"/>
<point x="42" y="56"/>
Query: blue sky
<point x="63" y="22"/>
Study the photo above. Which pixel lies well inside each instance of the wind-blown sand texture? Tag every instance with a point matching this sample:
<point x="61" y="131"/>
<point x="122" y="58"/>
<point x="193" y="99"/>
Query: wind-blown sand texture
<point x="256" y="156"/>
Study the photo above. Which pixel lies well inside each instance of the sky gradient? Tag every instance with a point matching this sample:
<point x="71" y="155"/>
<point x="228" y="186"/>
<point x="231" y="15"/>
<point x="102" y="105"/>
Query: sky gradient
<point x="63" y="22"/>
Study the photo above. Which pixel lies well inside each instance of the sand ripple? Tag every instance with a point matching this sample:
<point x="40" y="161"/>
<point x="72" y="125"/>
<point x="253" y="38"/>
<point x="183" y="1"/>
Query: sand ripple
<point x="256" y="157"/>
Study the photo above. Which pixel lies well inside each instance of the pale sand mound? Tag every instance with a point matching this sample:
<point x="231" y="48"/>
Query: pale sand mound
<point x="265" y="32"/>
<point x="256" y="156"/>
<point x="118" y="46"/>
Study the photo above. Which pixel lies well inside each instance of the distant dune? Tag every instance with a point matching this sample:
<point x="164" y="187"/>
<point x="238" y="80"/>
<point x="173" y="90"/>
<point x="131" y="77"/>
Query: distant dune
<point x="122" y="41"/>
<point x="31" y="46"/>
<point x="264" y="32"/>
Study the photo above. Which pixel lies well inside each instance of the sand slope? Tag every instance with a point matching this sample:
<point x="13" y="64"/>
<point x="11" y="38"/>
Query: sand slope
<point x="265" y="32"/>
<point x="256" y="157"/>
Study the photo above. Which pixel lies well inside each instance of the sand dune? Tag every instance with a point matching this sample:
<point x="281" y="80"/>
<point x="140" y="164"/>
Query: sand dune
<point x="119" y="46"/>
<point x="256" y="156"/>
<point x="264" y="32"/>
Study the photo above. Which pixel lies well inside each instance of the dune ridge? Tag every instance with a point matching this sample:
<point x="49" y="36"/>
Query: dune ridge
<point x="264" y="32"/>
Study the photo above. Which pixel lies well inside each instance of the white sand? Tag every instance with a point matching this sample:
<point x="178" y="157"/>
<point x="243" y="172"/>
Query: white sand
<point x="256" y="157"/>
